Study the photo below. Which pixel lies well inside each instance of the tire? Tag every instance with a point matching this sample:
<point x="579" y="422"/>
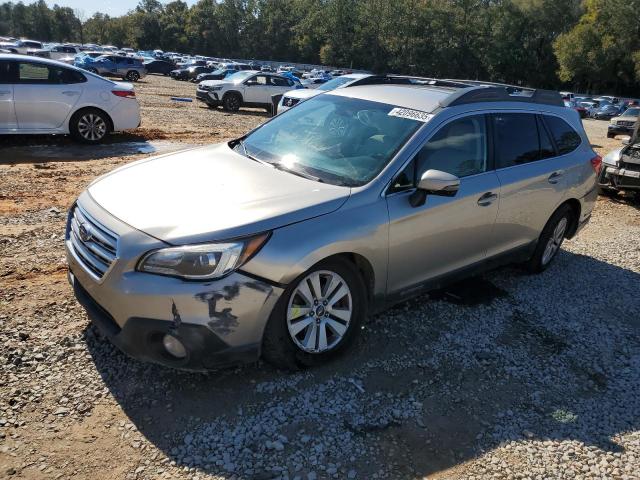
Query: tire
<point x="132" y="76"/>
<point x="232" y="102"/>
<point x="607" y="192"/>
<point x="611" y="135"/>
<point x="89" y="125"/>
<point x="289" y="342"/>
<point x="551" y="238"/>
<point x="93" y="70"/>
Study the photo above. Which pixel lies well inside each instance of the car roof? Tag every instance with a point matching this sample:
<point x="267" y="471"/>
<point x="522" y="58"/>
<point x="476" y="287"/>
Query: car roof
<point x="31" y="58"/>
<point x="422" y="98"/>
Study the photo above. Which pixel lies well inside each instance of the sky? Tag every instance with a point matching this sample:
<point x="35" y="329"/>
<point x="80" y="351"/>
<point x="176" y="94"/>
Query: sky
<point x="112" y="7"/>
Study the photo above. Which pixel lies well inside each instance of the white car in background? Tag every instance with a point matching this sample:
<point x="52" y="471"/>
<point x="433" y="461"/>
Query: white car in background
<point x="41" y="96"/>
<point x="62" y="53"/>
<point x="247" y="88"/>
<point x="293" y="97"/>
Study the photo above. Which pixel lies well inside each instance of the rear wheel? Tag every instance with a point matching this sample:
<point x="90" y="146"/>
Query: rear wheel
<point x="232" y="102"/>
<point x="317" y="317"/>
<point x="551" y="239"/>
<point x="132" y="76"/>
<point x="89" y="125"/>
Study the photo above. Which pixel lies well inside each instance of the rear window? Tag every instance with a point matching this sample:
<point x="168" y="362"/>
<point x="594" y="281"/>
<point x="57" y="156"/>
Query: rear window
<point x="566" y="138"/>
<point x="517" y="140"/>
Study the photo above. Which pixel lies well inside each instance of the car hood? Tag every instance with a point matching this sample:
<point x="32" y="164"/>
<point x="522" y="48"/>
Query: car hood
<point x="302" y="93"/>
<point x="211" y="83"/>
<point x="624" y="119"/>
<point x="211" y="193"/>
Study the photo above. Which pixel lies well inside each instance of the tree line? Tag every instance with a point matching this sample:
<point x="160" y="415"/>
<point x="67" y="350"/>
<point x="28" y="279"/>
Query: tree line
<point x="582" y="44"/>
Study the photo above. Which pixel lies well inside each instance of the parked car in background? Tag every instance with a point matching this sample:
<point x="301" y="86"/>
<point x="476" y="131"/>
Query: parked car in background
<point x="621" y="168"/>
<point x="23" y="46"/>
<point x="127" y="68"/>
<point x="624" y="124"/>
<point x="293" y="97"/>
<point x="218" y="74"/>
<point x="582" y="111"/>
<point x="161" y="67"/>
<point x="607" y="112"/>
<point x="248" y="88"/>
<point x="313" y="82"/>
<point x="281" y="242"/>
<point x="608" y="98"/>
<point x="191" y="72"/>
<point x="62" y="53"/>
<point x="38" y="95"/>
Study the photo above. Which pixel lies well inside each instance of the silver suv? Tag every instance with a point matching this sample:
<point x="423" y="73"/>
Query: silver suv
<point x="128" y="68"/>
<point x="280" y="243"/>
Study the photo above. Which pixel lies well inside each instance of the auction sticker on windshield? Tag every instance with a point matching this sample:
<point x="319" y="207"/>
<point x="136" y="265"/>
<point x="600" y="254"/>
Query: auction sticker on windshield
<point x="411" y="114"/>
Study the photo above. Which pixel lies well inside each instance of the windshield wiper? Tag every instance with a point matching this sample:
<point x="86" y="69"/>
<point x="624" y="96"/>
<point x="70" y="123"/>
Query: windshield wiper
<point x="240" y="142"/>
<point x="279" y="166"/>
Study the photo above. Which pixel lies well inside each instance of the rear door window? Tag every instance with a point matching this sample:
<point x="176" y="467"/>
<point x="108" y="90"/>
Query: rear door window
<point x="546" y="145"/>
<point x="516" y="139"/>
<point x="566" y="138"/>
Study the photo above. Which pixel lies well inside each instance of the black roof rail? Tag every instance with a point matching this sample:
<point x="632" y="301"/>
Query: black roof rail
<point x="480" y="94"/>
<point x="392" y="79"/>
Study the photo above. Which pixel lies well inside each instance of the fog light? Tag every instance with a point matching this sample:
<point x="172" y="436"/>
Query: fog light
<point x="173" y="346"/>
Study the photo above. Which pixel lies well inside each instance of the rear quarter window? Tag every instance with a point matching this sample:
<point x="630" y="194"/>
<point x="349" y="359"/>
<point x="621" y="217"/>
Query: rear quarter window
<point x="566" y="138"/>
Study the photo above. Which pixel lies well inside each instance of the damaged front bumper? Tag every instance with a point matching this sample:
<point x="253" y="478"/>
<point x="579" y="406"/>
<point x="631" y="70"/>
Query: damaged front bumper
<point x="218" y="322"/>
<point x="623" y="177"/>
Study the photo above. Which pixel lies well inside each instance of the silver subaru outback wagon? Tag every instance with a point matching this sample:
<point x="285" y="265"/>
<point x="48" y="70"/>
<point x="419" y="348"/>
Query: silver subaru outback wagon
<point x="280" y="243"/>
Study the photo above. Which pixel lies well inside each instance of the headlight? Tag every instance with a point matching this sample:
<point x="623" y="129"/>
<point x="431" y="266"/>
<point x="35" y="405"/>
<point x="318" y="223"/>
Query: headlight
<point x="203" y="261"/>
<point x="612" y="157"/>
<point x="217" y="87"/>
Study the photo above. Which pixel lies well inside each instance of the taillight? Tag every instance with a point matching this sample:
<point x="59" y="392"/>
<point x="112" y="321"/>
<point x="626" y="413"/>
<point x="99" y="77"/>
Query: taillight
<point x="596" y="163"/>
<point x="124" y="93"/>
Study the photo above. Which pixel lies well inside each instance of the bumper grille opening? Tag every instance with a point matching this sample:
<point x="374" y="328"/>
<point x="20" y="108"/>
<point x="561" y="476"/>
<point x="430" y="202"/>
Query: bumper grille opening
<point x="94" y="245"/>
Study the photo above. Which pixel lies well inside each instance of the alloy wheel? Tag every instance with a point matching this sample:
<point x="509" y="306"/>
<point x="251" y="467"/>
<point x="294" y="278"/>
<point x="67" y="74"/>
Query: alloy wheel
<point x="319" y="312"/>
<point x="554" y="242"/>
<point x="92" y="127"/>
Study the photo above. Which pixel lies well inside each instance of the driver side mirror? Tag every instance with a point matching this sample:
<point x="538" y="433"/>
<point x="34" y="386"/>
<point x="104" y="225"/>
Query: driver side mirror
<point x="434" y="182"/>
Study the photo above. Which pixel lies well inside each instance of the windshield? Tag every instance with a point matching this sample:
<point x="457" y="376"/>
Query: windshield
<point x="631" y="112"/>
<point x="338" y="140"/>
<point x="240" y="76"/>
<point x="335" y="83"/>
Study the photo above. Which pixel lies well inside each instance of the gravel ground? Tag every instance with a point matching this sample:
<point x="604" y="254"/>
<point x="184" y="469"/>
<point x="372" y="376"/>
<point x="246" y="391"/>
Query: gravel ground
<point x="503" y="376"/>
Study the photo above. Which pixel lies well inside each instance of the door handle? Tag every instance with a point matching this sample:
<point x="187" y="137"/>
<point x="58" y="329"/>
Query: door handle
<point x="70" y="93"/>
<point x="487" y="199"/>
<point x="555" y="177"/>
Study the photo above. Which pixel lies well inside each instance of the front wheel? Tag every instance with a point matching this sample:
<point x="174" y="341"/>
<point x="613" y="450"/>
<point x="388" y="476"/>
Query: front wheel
<point x="317" y="317"/>
<point x="551" y="239"/>
<point x="231" y="102"/>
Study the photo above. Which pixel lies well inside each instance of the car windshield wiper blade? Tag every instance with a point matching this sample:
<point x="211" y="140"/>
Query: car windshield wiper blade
<point x="308" y="176"/>
<point x="240" y="142"/>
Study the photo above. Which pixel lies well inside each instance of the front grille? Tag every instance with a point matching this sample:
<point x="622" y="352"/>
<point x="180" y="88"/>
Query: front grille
<point x="290" y="102"/>
<point x="93" y="244"/>
<point x="625" y="124"/>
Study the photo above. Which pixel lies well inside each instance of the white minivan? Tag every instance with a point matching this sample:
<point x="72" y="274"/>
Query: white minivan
<point x="41" y="96"/>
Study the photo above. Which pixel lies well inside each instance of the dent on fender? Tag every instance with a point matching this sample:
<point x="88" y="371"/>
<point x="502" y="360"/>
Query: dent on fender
<point x="222" y="320"/>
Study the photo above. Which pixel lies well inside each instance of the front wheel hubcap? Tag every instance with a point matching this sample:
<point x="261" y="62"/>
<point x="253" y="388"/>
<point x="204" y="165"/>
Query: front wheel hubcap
<point x="554" y="242"/>
<point x="92" y="127"/>
<point x="319" y="311"/>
